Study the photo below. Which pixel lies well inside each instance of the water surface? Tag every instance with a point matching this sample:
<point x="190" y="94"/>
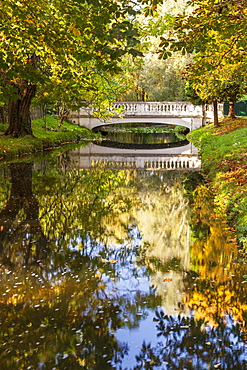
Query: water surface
<point x="142" y="135"/>
<point x="116" y="269"/>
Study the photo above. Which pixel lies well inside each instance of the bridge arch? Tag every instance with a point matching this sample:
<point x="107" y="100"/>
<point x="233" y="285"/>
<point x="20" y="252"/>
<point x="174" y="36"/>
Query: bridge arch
<point x="186" y="122"/>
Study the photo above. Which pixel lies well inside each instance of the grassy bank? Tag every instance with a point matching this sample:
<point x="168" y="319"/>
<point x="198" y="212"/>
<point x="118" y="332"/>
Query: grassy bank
<point x="48" y="135"/>
<point x="224" y="158"/>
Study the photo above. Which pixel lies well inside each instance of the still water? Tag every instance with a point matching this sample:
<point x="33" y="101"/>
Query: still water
<point x="128" y="135"/>
<point x="116" y="269"/>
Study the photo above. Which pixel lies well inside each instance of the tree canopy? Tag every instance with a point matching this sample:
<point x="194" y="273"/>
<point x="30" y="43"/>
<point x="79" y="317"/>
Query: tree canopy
<point x="71" y="51"/>
<point x="215" y="33"/>
<point x="67" y="50"/>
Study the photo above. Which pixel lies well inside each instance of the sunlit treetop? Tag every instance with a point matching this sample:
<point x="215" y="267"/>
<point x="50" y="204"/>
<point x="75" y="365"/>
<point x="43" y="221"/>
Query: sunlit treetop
<point x="211" y="22"/>
<point x="69" y="38"/>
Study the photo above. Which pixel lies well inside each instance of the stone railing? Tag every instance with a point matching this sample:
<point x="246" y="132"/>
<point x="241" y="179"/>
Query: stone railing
<point x="171" y="109"/>
<point x="159" y="109"/>
<point x="155" y="108"/>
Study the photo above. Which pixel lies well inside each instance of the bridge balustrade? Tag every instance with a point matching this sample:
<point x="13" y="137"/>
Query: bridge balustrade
<point x="159" y="109"/>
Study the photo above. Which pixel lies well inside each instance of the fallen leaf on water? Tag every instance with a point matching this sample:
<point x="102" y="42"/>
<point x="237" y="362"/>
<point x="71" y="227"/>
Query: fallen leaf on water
<point x="112" y="261"/>
<point x="217" y="365"/>
<point x="109" y="261"/>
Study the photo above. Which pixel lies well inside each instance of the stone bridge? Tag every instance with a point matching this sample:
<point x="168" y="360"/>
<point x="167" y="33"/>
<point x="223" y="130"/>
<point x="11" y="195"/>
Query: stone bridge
<point x="175" y="113"/>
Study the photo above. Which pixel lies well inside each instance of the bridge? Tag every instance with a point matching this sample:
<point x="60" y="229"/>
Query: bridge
<point x="175" y="113"/>
<point x="180" y="158"/>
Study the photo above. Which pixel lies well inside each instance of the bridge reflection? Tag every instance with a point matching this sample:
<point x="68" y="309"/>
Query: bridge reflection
<point x="169" y="158"/>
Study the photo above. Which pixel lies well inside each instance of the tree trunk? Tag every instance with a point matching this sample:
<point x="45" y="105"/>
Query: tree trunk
<point x="216" y="119"/>
<point x="231" y="109"/>
<point x="3" y="118"/>
<point x="63" y="113"/>
<point x="19" y="112"/>
<point x="203" y="114"/>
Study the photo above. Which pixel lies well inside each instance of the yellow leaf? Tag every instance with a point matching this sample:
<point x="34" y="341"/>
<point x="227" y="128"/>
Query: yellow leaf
<point x="75" y="31"/>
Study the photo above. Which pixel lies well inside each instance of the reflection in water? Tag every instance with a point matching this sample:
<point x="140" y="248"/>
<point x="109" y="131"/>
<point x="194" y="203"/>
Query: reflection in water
<point x="139" y="138"/>
<point x="151" y="146"/>
<point x="142" y="136"/>
<point x="91" y="259"/>
<point x="143" y="133"/>
<point x="21" y="235"/>
<point x="193" y="344"/>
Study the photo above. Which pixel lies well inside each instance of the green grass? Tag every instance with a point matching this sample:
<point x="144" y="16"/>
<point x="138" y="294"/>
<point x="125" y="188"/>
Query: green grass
<point x="47" y="135"/>
<point x="223" y="152"/>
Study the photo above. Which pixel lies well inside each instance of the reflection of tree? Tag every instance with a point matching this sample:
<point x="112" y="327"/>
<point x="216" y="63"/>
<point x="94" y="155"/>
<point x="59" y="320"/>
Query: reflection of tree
<point x="159" y="211"/>
<point x="164" y="221"/>
<point x="78" y="200"/>
<point x="192" y="344"/>
<point x="216" y="290"/>
<point x="64" y="311"/>
<point x="20" y="229"/>
<point x="68" y="321"/>
<point x="164" y="225"/>
<point x="214" y="336"/>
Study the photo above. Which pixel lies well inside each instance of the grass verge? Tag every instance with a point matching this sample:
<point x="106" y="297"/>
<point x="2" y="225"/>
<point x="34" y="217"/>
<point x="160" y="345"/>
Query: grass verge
<point x="48" y="135"/>
<point x="223" y="152"/>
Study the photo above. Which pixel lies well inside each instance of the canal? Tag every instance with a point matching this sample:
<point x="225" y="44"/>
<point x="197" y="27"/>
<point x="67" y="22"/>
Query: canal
<point x="117" y="267"/>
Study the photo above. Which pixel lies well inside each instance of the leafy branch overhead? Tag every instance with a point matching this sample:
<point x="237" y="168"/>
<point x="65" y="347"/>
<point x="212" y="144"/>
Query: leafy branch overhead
<point x="215" y="33"/>
<point x="64" y="49"/>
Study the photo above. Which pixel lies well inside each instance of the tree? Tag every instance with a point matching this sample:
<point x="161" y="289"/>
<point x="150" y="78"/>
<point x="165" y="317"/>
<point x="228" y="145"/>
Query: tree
<point x="68" y="49"/>
<point x="154" y="79"/>
<point x="215" y="82"/>
<point x="215" y="34"/>
<point x="232" y="92"/>
<point x="157" y="80"/>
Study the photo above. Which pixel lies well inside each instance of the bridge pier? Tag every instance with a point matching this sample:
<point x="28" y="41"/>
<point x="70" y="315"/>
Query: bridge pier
<point x="196" y="123"/>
